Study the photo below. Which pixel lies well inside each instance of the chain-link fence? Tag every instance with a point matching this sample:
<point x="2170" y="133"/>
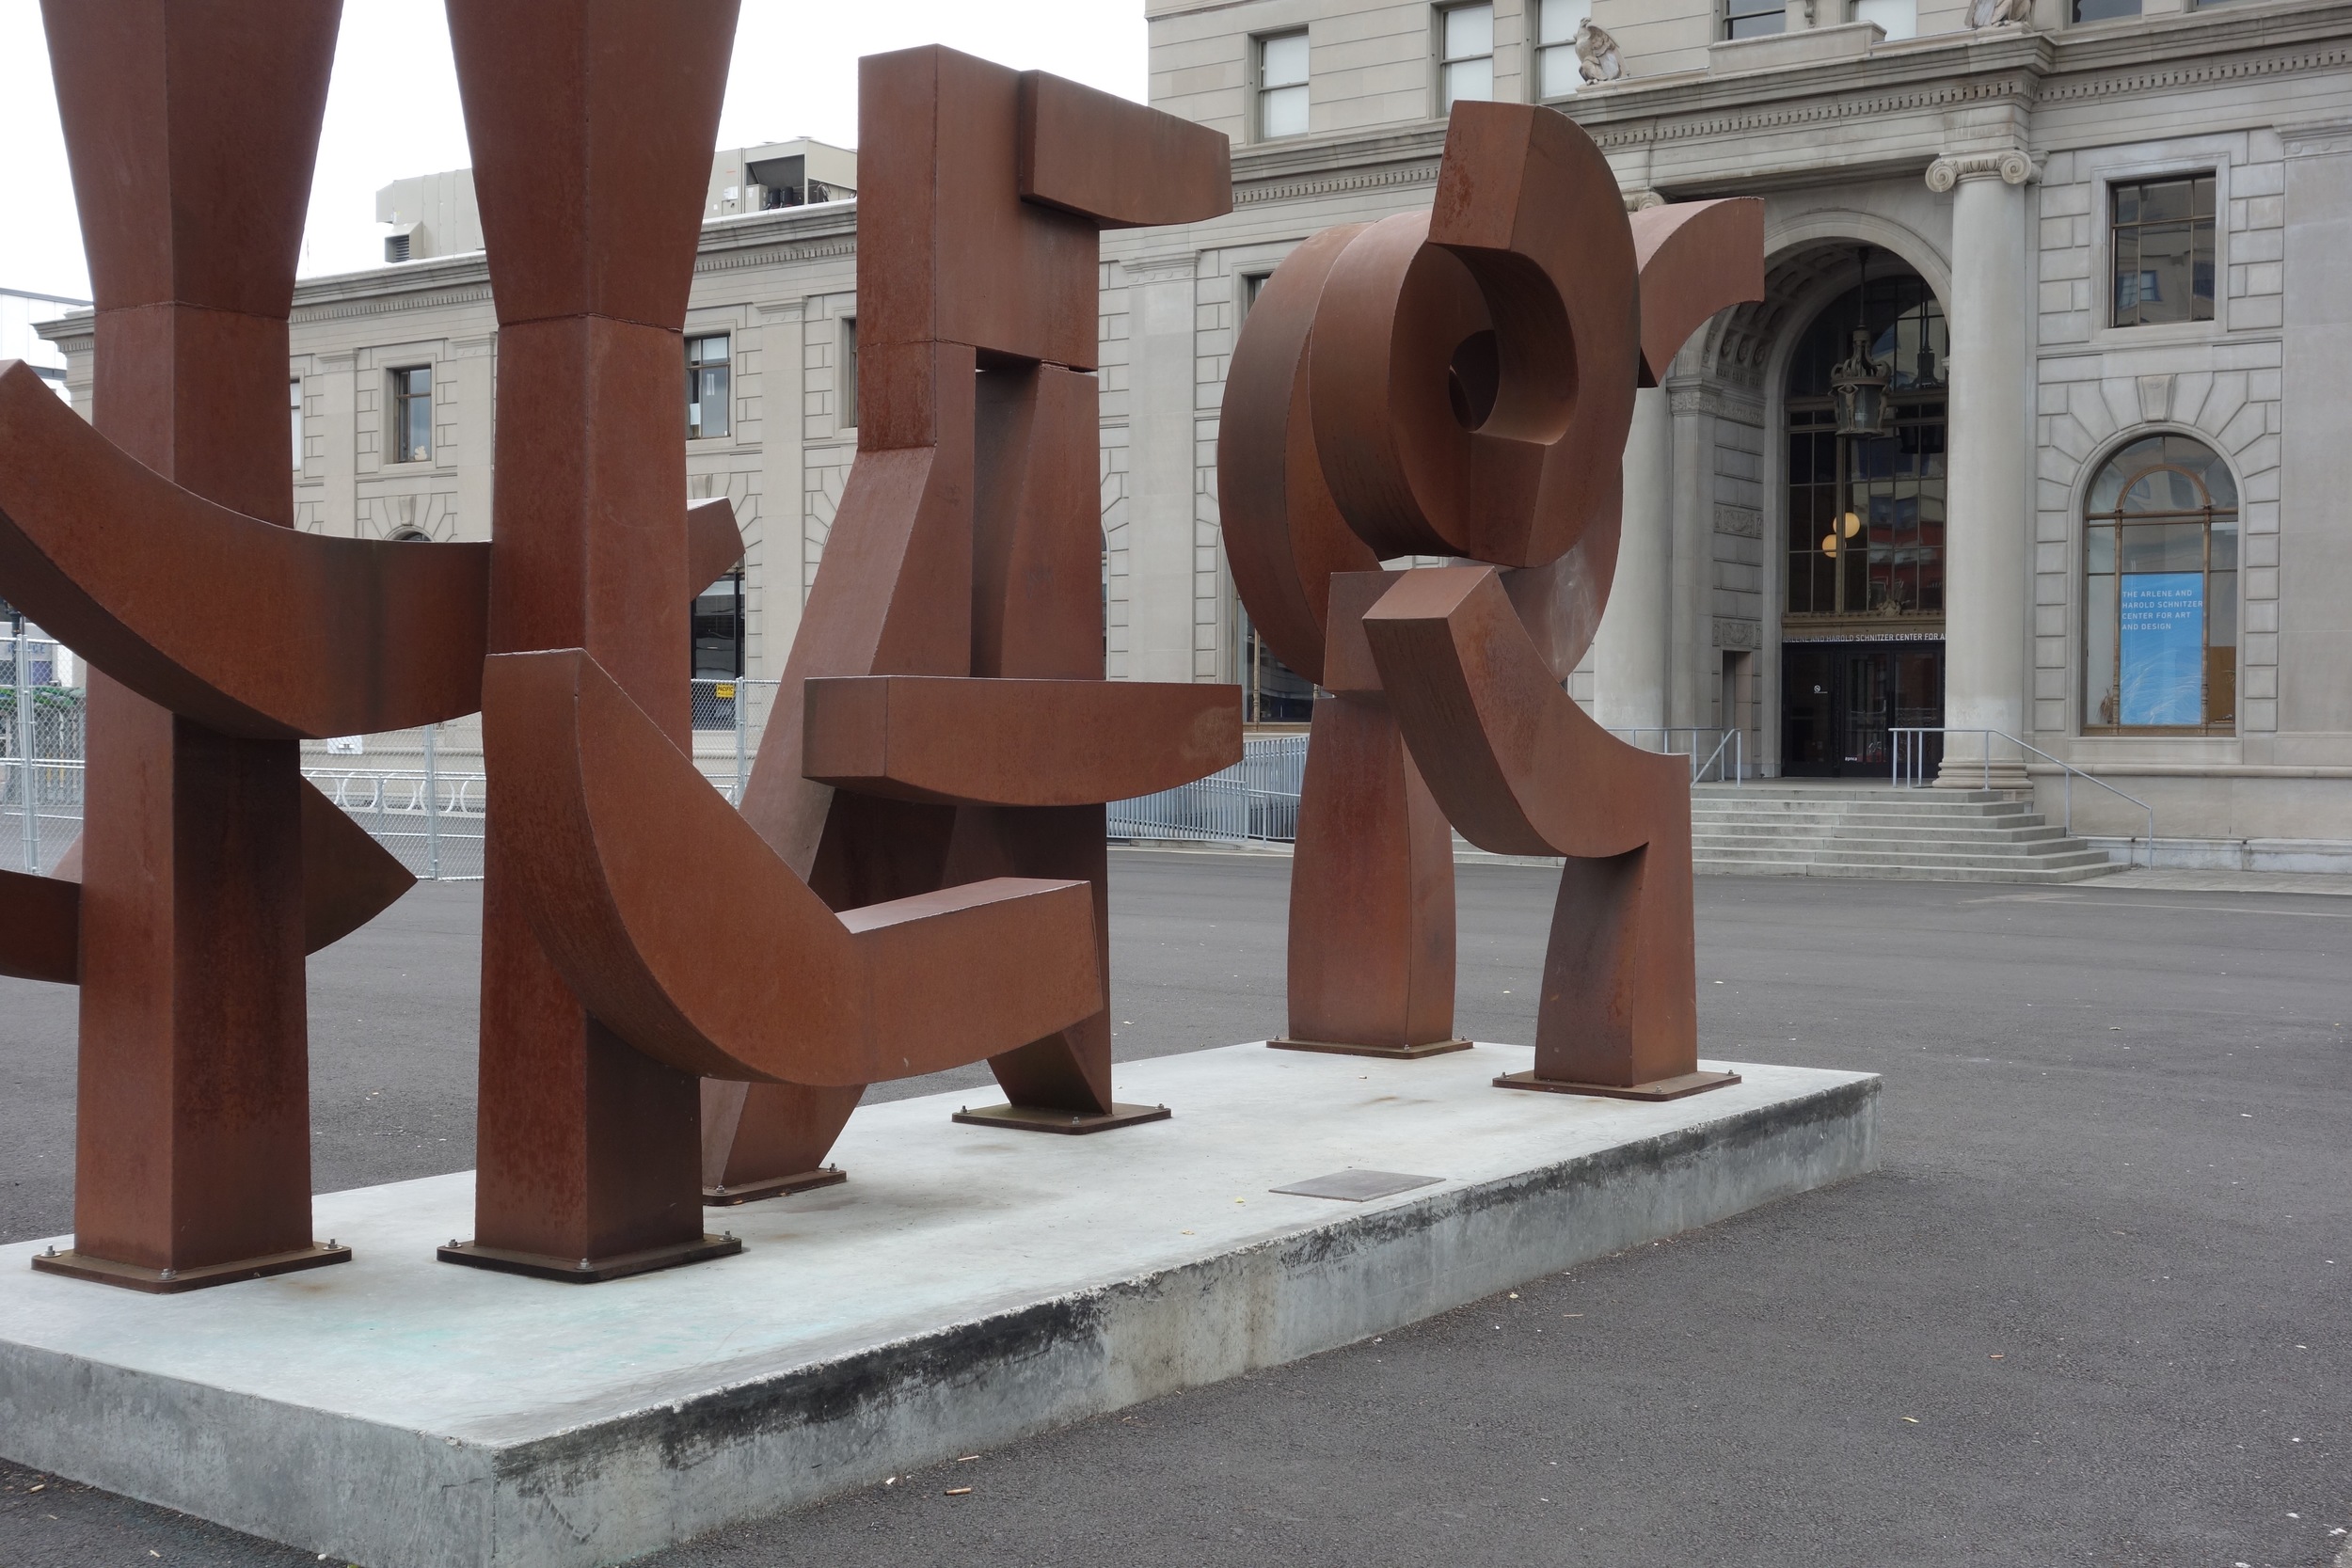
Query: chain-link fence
<point x="40" y="752"/>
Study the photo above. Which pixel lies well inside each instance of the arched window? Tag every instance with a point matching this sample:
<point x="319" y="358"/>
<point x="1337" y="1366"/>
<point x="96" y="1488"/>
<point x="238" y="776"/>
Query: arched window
<point x="2160" y="592"/>
<point x="1865" y="514"/>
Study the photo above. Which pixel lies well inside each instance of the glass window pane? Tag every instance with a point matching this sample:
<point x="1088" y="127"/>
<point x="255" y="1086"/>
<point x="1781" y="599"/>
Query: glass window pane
<point x="2099" y="696"/>
<point x="2103" y="11"/>
<point x="1561" y="72"/>
<point x="2221" y="546"/>
<point x="1470" y="30"/>
<point x="1470" y="81"/>
<point x="2221" y="609"/>
<point x="1283" y="112"/>
<point x="1283" y="62"/>
<point x="2098" y="549"/>
<point x="2162" y="199"/>
<point x="1559" y="19"/>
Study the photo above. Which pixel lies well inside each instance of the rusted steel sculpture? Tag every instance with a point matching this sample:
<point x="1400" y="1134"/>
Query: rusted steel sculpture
<point x="1460" y="383"/>
<point x="927" y="902"/>
<point x="159" y="544"/>
<point x="949" y="664"/>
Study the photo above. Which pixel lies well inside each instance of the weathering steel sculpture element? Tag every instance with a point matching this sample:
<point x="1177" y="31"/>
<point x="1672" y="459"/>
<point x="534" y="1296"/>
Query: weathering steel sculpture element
<point x="916" y="879"/>
<point x="157" y="545"/>
<point x="1460" y="383"/>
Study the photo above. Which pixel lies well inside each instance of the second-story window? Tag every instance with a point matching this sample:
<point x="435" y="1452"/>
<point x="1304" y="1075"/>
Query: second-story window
<point x="706" y="392"/>
<point x="2162" y="244"/>
<point x="1466" y="55"/>
<point x="2103" y="11"/>
<point x="1282" y="85"/>
<point x="412" y="415"/>
<point x="294" y="405"/>
<point x="1557" y="74"/>
<point x="1754" y="18"/>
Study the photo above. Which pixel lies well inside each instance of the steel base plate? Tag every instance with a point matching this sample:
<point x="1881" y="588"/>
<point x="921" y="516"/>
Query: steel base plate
<point x="1030" y="1118"/>
<point x="1393" y="1052"/>
<point x="590" y="1271"/>
<point x="167" y="1282"/>
<point x="781" y="1187"/>
<point x="1661" y="1089"/>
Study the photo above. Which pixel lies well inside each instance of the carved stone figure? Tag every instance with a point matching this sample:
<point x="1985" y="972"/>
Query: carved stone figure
<point x="1997" y="13"/>
<point x="1598" y="56"/>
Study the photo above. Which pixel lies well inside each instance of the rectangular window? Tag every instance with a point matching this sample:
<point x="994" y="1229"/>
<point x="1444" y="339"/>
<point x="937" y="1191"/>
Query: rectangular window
<point x="293" y="405"/>
<point x="1754" y="18"/>
<point x="1282" y="85"/>
<point x="1897" y="19"/>
<point x="412" y="415"/>
<point x="845" y="411"/>
<point x="1466" y="55"/>
<point x="1252" y="285"/>
<point x="2103" y="11"/>
<point x="1557" y="73"/>
<point x="707" y="390"/>
<point x="2163" y="251"/>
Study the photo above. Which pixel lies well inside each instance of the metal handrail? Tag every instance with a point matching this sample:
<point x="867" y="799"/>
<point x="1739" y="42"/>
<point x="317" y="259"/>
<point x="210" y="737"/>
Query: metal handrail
<point x="1733" y="739"/>
<point x="1917" y="735"/>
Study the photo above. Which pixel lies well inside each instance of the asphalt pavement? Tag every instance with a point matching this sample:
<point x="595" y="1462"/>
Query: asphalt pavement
<point x="2093" y="1309"/>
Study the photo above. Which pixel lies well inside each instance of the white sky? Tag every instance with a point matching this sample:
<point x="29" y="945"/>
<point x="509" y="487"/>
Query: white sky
<point x="392" y="110"/>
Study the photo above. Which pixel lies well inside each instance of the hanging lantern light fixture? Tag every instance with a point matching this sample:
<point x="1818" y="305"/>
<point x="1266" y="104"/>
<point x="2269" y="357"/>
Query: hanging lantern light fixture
<point x="1859" y="385"/>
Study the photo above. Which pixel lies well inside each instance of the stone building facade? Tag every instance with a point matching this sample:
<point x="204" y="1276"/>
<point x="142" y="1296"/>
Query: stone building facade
<point x="2096" y="250"/>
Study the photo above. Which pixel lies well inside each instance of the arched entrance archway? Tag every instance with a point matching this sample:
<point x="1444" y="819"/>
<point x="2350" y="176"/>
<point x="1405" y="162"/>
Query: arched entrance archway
<point x="1862" y="605"/>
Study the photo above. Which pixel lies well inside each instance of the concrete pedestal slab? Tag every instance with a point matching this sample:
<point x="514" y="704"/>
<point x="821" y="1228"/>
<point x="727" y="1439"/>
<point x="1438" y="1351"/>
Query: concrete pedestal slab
<point x="967" y="1285"/>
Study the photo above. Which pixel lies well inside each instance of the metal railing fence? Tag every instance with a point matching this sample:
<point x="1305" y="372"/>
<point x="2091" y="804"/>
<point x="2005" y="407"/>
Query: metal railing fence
<point x="1717" y="755"/>
<point x="1909" y="772"/>
<point x="420" y="793"/>
<point x="1255" y="800"/>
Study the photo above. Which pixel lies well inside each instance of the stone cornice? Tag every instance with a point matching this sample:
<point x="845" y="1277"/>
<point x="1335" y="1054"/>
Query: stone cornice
<point x="727" y="244"/>
<point x="1926" y="79"/>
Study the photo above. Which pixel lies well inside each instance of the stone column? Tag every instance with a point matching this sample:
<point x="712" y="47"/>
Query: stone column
<point x="774" y="584"/>
<point x="1160" y="478"/>
<point x="1630" y="650"/>
<point x="1690" y="671"/>
<point x="1986" y="586"/>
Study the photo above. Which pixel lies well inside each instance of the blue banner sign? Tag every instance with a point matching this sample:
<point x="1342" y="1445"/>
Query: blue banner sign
<point x="2164" y="648"/>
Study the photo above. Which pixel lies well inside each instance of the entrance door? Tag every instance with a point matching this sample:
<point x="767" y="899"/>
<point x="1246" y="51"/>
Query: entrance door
<point x="1840" y="700"/>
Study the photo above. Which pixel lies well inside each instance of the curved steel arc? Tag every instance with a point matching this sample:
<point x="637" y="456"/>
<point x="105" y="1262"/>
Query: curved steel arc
<point x="1283" y="533"/>
<point x="1696" y="258"/>
<point x="1521" y="769"/>
<point x="1473" y="359"/>
<point x="611" y="821"/>
<point x="347" y="880"/>
<point x="247" y="627"/>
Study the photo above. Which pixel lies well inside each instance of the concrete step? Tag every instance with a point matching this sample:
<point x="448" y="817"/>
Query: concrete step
<point x="1910" y="859"/>
<point x="2026" y="872"/>
<point x="1888" y="833"/>
<point x="1849" y="793"/>
<point x="1900" y="805"/>
<point x="1762" y="821"/>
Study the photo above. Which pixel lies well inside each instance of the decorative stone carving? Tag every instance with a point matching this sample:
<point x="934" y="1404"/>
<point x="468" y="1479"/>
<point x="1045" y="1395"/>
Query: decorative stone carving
<point x="1997" y="13"/>
<point x="2012" y="166"/>
<point x="1598" y="56"/>
<point x="1643" y="200"/>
